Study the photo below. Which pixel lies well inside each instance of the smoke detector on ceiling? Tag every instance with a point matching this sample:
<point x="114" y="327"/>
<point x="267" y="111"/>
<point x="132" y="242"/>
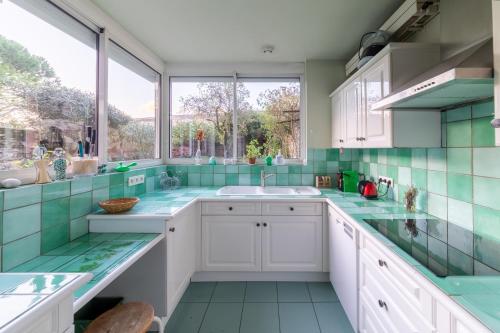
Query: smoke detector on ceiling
<point x="268" y="49"/>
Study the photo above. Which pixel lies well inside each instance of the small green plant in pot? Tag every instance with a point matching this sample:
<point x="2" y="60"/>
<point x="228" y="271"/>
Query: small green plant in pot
<point x="253" y="151"/>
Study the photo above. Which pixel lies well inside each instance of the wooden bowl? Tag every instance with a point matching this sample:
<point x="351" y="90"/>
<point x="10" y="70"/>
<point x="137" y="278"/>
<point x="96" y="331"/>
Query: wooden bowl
<point x="115" y="206"/>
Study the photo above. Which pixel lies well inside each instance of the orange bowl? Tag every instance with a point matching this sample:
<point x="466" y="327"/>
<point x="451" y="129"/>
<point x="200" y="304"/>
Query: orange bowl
<point x="115" y="206"/>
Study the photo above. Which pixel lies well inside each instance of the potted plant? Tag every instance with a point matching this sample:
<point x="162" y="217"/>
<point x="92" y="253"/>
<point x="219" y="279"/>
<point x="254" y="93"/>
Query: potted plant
<point x="253" y="151"/>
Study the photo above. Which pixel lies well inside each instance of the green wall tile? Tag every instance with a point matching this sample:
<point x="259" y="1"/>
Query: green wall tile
<point x="20" y="222"/>
<point x="295" y="169"/>
<point x="460" y="187"/>
<point x="346" y="155"/>
<point x="392" y="157"/>
<point x="404" y="176"/>
<point x="436" y="159"/>
<point x="194" y="179"/>
<point x="80" y="205"/>
<point x="207" y="180"/>
<point x="462" y="113"/>
<point x="436" y="182"/>
<point x="1" y="200"/>
<point x="344" y="165"/>
<point x="483" y="134"/>
<point x="255" y="179"/>
<point x="102" y="181"/>
<point x="419" y="178"/>
<point x="244" y="168"/>
<point x="219" y="179"/>
<point x="486" y="162"/>
<point x="283" y="169"/>
<point x="460" y="213"/>
<point x="374" y="155"/>
<point x="20" y="251"/>
<point x="244" y="179"/>
<point x="320" y="154"/>
<point x="458" y="134"/>
<point x="486" y="192"/>
<point x="55" y="212"/>
<point x="56" y="190"/>
<point x="294" y="179"/>
<point x="231" y="169"/>
<point x="282" y="179"/>
<point x="22" y="196"/>
<point x="116" y="191"/>
<point x="438" y="206"/>
<point x="78" y="227"/>
<point x="332" y="155"/>
<point x="219" y="169"/>
<point x="307" y="179"/>
<point x="419" y="158"/>
<point x="231" y="179"/>
<point x="459" y="160"/>
<point x="54" y="237"/>
<point x="319" y="167"/>
<point x="404" y="157"/>
<point x="484" y="109"/>
<point x="487" y="222"/>
<point x="332" y="166"/>
<point x="99" y="195"/>
<point x="81" y="184"/>
<point x="392" y="172"/>
<point x="194" y="169"/>
<point x="207" y="169"/>
<point x="116" y="179"/>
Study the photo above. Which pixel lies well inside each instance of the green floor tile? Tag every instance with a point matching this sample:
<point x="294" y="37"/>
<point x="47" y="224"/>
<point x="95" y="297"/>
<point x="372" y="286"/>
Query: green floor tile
<point x="222" y="318"/>
<point x="332" y="318"/>
<point x="261" y="292"/>
<point x="322" y="292"/>
<point x="229" y="292"/>
<point x="187" y="318"/>
<point x="199" y="292"/>
<point x="293" y="292"/>
<point x="298" y="318"/>
<point x="260" y="317"/>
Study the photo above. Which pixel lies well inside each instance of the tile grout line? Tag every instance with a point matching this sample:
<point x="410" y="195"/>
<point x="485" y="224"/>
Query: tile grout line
<point x="206" y="309"/>
<point x="243" y="305"/>
<point x="314" y="308"/>
<point x="278" y="304"/>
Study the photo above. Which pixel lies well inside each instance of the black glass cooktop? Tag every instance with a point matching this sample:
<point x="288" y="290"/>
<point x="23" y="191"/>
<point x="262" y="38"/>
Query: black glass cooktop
<point x="445" y="248"/>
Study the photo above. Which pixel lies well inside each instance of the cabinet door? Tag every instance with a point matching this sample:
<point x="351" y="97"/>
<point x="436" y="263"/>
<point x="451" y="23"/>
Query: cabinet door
<point x="292" y="243"/>
<point x="338" y="121"/>
<point x="231" y="243"/>
<point x="181" y="257"/>
<point x="352" y="105"/>
<point x="376" y="125"/>
<point x="334" y="246"/>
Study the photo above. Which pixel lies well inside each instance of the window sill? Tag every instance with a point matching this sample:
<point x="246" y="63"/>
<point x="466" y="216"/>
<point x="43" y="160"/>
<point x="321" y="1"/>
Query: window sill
<point x="204" y="161"/>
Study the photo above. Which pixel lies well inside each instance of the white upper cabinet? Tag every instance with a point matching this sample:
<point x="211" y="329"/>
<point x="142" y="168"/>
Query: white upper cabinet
<point x="352" y="103"/>
<point x="355" y="125"/>
<point x="376" y="85"/>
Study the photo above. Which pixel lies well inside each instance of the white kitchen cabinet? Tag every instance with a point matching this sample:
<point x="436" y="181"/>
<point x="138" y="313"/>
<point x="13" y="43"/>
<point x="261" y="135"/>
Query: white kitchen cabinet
<point x="376" y="125"/>
<point x="353" y="114"/>
<point x="450" y="318"/>
<point x="387" y="72"/>
<point x="338" y="120"/>
<point x="231" y="243"/>
<point x="292" y="243"/>
<point x="181" y="255"/>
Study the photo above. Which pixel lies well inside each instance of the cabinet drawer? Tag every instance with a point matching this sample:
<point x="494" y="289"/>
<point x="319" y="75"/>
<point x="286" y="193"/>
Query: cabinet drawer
<point x="401" y="278"/>
<point x="373" y="279"/>
<point x="230" y="208"/>
<point x="292" y="208"/>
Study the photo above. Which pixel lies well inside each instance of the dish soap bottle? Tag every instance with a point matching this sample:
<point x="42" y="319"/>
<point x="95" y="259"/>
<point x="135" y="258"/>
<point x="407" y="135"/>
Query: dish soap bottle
<point x="269" y="160"/>
<point x="279" y="158"/>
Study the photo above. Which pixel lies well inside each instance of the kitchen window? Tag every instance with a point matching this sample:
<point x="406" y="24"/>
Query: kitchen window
<point x="44" y="98"/>
<point x="133" y="107"/>
<point x="232" y="112"/>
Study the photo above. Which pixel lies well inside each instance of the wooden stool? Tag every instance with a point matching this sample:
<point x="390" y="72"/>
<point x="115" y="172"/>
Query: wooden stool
<point x="133" y="317"/>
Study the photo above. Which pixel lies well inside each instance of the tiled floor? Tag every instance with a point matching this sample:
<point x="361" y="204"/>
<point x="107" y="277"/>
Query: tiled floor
<point x="259" y="307"/>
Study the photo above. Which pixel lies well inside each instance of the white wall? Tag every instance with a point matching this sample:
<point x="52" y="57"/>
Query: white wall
<point x="322" y="77"/>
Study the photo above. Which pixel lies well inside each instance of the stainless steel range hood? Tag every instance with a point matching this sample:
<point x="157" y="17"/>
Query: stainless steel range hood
<point x="464" y="78"/>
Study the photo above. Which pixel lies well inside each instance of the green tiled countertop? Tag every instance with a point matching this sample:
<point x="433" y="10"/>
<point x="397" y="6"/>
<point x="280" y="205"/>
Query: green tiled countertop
<point x="21" y="294"/>
<point x="98" y="253"/>
<point x="480" y="295"/>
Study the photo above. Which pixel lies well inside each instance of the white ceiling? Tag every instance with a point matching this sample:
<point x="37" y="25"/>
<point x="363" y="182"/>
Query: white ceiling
<point x="236" y="30"/>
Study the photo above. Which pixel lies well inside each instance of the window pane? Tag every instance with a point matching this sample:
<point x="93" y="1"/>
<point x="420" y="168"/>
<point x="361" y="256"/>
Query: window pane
<point x="205" y="104"/>
<point x="47" y="79"/>
<point x="133" y="106"/>
<point x="269" y="112"/>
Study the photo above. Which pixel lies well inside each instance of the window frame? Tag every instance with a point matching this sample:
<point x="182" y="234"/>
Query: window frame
<point x="236" y="77"/>
<point x="109" y="31"/>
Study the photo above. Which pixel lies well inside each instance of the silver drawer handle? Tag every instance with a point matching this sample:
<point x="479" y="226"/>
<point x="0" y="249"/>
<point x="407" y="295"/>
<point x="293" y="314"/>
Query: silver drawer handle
<point x="383" y="304"/>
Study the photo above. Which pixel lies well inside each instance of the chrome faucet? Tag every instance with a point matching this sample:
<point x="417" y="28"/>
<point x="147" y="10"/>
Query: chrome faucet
<point x="263" y="177"/>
